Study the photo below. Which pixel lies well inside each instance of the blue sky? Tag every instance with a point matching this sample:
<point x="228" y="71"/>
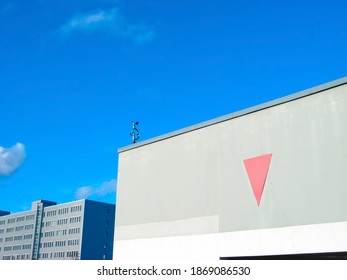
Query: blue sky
<point x="75" y="73"/>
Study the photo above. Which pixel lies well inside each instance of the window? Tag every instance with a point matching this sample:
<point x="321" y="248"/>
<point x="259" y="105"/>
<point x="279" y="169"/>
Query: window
<point x="10" y="221"/>
<point x="72" y="255"/>
<point x="7" y="248"/>
<point x="10" y="229"/>
<point x="51" y="213"/>
<point x="62" y="222"/>
<point x="26" y="246"/>
<point x="50" y="223"/>
<point x="21" y="219"/>
<point x="63" y="211"/>
<point x="75" y="219"/>
<point x="60" y="243"/>
<point x="73" y="242"/>
<point x="48" y="244"/>
<point x="59" y="255"/>
<point x="28" y="236"/>
<point x="45" y="256"/>
<point x="76" y="208"/>
<point x="18" y="237"/>
<point x="19" y="228"/>
<point x="61" y="232"/>
<point x="30" y="226"/>
<point x="74" y="230"/>
<point x="30" y="217"/>
<point x="49" y="233"/>
<point x="17" y="247"/>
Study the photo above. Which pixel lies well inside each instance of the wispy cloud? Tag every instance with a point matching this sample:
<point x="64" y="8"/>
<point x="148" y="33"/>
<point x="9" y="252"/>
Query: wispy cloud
<point x="92" y="22"/>
<point x="100" y="191"/>
<point x="110" y="22"/>
<point x="11" y="159"/>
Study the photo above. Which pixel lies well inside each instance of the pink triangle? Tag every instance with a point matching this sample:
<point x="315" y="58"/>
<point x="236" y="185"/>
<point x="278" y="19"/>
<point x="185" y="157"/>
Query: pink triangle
<point x="257" y="169"/>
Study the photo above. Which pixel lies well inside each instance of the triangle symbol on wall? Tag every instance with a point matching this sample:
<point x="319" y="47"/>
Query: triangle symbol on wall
<point x="257" y="169"/>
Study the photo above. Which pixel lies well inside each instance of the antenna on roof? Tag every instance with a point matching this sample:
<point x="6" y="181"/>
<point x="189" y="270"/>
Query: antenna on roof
<point x="135" y="134"/>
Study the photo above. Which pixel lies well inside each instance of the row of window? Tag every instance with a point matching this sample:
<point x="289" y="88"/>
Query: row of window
<point x="61" y="243"/>
<point x="74" y="230"/>
<point x="47" y="224"/>
<point x="47" y="244"/>
<point x="73" y="242"/>
<point x="49" y="213"/>
<point x="72" y="254"/>
<point x="63" y="221"/>
<point x="17" y="257"/>
<point x="62" y="211"/>
<point x="59" y="255"/>
<point x="75" y="219"/>
<point x="18" y="219"/>
<point x="18" y="228"/>
<point x="76" y="208"/>
<point x="17" y="238"/>
<point x="60" y="232"/>
<point x="16" y="247"/>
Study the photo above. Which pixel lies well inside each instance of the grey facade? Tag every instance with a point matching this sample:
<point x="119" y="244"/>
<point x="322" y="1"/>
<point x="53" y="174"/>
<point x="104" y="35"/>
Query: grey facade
<point x="81" y="229"/>
<point x="193" y="182"/>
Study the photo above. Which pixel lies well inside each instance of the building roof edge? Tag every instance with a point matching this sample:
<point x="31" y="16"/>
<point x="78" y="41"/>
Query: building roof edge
<point x="269" y="104"/>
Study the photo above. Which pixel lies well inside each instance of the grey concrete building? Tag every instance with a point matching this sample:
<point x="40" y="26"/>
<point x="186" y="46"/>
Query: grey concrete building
<point x="82" y="229"/>
<point x="267" y="181"/>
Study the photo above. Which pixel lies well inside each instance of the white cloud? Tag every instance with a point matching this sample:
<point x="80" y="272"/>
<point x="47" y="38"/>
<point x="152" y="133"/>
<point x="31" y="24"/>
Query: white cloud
<point x="91" y="22"/>
<point x="84" y="192"/>
<point x="110" y="22"/>
<point x="11" y="159"/>
<point x="100" y="191"/>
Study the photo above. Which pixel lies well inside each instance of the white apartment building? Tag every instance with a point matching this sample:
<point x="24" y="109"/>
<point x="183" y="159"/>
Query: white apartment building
<point x="81" y="229"/>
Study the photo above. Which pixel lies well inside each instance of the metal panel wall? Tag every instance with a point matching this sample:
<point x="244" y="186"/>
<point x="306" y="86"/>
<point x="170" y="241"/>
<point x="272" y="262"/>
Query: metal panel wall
<point x="196" y="182"/>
